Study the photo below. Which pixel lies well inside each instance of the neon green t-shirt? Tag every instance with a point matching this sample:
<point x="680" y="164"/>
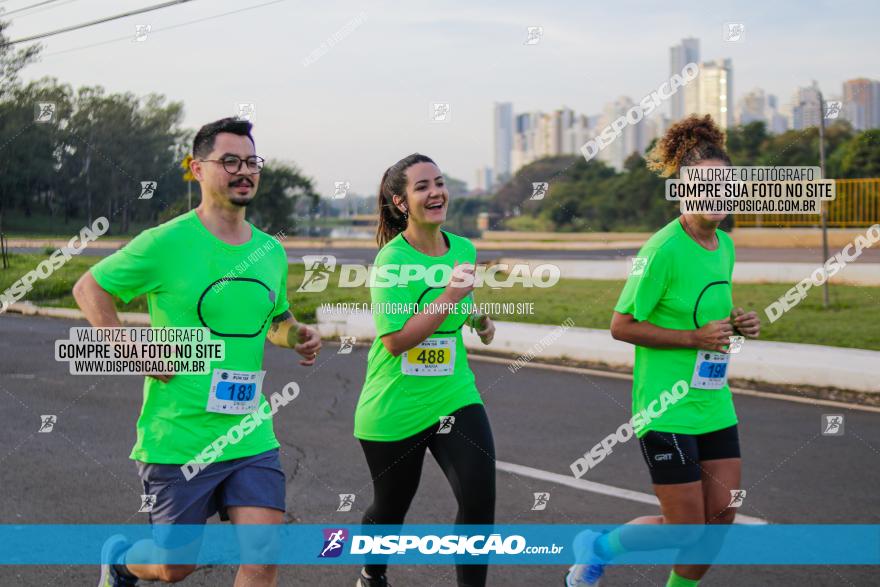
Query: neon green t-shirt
<point x="677" y="284"/>
<point x="179" y="265"/>
<point x="395" y="404"/>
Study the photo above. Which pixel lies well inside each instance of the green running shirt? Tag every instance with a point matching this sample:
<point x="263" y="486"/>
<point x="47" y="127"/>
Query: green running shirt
<point x="677" y="284"/>
<point x="395" y="405"/>
<point x="175" y="265"/>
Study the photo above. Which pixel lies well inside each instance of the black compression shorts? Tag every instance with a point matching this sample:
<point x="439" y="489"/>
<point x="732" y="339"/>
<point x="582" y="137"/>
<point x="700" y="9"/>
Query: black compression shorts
<point x="675" y="458"/>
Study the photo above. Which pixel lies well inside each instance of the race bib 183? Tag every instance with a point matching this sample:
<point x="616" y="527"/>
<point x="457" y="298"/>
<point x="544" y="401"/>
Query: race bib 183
<point x="235" y="392"/>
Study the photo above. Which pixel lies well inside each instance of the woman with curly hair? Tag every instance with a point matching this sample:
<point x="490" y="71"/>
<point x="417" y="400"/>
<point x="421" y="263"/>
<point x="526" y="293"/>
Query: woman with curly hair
<point x="677" y="309"/>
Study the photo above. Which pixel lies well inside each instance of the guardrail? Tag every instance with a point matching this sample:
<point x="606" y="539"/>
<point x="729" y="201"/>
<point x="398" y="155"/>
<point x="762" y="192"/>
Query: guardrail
<point x="857" y="203"/>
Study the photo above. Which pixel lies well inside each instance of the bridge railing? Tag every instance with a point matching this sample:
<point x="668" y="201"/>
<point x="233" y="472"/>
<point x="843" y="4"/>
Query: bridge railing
<point x="857" y="203"/>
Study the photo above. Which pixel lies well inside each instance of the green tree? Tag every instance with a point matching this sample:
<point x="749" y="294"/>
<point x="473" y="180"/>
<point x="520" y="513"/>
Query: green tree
<point x="282" y="185"/>
<point x="117" y="141"/>
<point x="11" y="63"/>
<point x="745" y="143"/>
<point x="461" y="217"/>
<point x="456" y="187"/>
<point x="514" y="195"/>
<point x="12" y="60"/>
<point x="801" y="147"/>
<point x="859" y="156"/>
<point x="590" y="196"/>
<point x="34" y="150"/>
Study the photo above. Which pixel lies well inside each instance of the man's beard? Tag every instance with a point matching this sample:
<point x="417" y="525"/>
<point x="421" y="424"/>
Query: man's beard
<point x="240" y="202"/>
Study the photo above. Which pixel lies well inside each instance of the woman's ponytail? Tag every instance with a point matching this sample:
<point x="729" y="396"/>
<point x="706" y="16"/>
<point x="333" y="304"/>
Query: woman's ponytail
<point x="392" y="221"/>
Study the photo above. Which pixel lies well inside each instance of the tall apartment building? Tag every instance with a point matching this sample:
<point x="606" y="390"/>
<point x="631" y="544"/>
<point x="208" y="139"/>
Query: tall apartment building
<point x="503" y="140"/>
<point x="861" y="103"/>
<point x="688" y="51"/>
<point x="805" y="107"/>
<point x="712" y="92"/>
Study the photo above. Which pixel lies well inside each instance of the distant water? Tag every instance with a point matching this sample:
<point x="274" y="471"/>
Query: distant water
<point x="354" y="232"/>
<point x="359" y="232"/>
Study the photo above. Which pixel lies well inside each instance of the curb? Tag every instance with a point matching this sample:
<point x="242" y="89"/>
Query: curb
<point x="770" y="364"/>
<point x="767" y="364"/>
<point x="29" y="309"/>
<point x="786" y="274"/>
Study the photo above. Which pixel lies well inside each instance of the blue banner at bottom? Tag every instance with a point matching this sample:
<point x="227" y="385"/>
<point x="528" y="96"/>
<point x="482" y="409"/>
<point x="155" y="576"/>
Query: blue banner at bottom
<point x="519" y="544"/>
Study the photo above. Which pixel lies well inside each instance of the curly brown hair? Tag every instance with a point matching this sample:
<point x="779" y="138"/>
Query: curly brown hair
<point x="687" y="142"/>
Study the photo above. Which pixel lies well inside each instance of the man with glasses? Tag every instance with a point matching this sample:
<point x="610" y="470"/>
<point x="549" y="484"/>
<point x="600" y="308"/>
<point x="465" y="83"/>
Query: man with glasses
<point x="196" y="272"/>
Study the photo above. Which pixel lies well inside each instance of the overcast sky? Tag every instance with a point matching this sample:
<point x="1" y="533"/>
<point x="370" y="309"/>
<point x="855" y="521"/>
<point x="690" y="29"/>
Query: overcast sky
<point x="365" y="103"/>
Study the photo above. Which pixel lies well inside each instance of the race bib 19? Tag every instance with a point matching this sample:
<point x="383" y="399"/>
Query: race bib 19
<point x="434" y="356"/>
<point x="235" y="392"/>
<point x="710" y="370"/>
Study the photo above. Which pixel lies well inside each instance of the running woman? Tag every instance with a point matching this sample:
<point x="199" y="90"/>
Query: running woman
<point x="677" y="309"/>
<point x="183" y="267"/>
<point x="419" y="391"/>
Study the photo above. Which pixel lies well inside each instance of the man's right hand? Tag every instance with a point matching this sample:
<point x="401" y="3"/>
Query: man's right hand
<point x="714" y="336"/>
<point x="163" y="377"/>
<point x="123" y="349"/>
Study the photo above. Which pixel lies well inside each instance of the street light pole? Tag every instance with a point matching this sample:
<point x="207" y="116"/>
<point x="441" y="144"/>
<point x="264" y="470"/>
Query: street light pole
<point x="824" y="214"/>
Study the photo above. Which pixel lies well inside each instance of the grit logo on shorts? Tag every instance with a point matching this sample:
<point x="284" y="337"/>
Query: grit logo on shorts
<point x="334" y="542"/>
<point x="631" y="428"/>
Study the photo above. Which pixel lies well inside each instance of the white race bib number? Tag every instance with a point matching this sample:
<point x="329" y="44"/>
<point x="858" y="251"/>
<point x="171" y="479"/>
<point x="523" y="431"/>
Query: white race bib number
<point x="235" y="392"/>
<point x="710" y="370"/>
<point x="435" y="356"/>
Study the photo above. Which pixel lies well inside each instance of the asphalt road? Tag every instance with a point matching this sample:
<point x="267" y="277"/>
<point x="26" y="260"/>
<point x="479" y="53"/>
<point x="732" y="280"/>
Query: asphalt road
<point x="80" y="472"/>
<point x="366" y="255"/>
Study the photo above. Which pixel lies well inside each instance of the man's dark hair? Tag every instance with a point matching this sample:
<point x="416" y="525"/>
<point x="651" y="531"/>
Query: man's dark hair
<point x="203" y="144"/>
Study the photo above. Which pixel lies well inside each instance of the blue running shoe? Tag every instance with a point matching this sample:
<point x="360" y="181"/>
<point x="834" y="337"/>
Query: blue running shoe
<point x="111" y="554"/>
<point x="589" y="572"/>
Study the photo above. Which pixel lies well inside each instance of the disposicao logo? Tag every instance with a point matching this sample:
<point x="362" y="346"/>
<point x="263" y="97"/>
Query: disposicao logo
<point x="334" y="542"/>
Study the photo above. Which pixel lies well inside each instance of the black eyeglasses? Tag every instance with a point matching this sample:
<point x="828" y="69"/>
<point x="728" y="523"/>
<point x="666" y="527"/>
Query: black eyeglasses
<point x="232" y="163"/>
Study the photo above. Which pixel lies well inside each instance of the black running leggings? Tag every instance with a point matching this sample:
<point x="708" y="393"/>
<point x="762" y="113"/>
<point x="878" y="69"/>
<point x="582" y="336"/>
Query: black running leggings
<point x="467" y="456"/>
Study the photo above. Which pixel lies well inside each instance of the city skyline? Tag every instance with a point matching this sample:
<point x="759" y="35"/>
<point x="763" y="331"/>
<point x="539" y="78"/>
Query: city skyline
<point x="362" y="104"/>
<point x="522" y="138"/>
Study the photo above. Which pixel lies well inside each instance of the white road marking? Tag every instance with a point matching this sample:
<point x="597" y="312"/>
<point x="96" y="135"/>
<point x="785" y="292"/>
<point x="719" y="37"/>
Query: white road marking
<point x="600" y="488"/>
